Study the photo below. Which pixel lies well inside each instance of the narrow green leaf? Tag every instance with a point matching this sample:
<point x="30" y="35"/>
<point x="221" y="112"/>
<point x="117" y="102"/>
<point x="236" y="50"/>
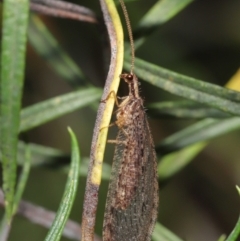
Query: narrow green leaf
<point x="47" y="157"/>
<point x="49" y="49"/>
<point x="15" y="21"/>
<point x="5" y="224"/>
<point x="200" y="131"/>
<point x="5" y="227"/>
<point x="236" y="231"/>
<point x="183" y="109"/>
<point x="45" y="111"/>
<point x="163" y="234"/>
<point x="211" y="95"/>
<point x="22" y="179"/>
<point x="222" y="238"/>
<point x="161" y="12"/>
<point x="234" y="235"/>
<point x="175" y="161"/>
<point x="41" y="155"/>
<point x="63" y="212"/>
<point x="238" y="189"/>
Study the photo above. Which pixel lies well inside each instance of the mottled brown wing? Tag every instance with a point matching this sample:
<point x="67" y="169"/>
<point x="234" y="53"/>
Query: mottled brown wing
<point x="135" y="220"/>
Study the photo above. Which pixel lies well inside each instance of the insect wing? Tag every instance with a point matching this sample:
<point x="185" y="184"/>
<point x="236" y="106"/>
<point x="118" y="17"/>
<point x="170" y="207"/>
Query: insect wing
<point x="135" y="221"/>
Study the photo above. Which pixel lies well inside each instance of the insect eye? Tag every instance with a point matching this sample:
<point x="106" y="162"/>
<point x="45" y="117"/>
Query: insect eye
<point x="130" y="77"/>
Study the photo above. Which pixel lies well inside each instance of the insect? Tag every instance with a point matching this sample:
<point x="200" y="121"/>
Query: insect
<point x="132" y="200"/>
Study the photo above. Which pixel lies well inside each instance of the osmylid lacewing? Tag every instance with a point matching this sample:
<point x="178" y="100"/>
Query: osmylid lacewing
<point x="132" y="200"/>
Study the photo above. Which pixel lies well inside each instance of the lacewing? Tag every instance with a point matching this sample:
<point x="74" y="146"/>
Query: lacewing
<point x="132" y="200"/>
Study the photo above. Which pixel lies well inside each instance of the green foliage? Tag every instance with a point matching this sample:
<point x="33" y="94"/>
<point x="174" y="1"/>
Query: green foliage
<point x="60" y="220"/>
<point x="161" y="234"/>
<point x="15" y="20"/>
<point x="45" y="111"/>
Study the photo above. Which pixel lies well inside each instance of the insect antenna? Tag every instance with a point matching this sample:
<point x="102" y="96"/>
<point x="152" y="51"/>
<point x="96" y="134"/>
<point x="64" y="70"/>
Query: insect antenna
<point x="125" y="13"/>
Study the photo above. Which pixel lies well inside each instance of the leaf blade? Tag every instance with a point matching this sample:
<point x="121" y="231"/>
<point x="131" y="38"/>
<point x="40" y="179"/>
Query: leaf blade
<point x="48" y="48"/>
<point x="211" y="95"/>
<point x="161" y="233"/>
<point x="45" y="111"/>
<point x="15" y="21"/>
<point x="63" y="212"/>
<point x="200" y="131"/>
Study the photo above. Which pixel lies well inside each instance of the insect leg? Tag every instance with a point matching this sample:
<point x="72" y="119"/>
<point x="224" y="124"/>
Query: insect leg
<point x="108" y="96"/>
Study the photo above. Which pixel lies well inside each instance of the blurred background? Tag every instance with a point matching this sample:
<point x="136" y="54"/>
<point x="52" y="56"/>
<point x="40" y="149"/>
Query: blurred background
<point x="203" y="41"/>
